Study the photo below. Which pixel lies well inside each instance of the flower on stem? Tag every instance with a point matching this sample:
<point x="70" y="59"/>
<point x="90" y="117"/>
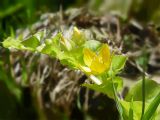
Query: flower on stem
<point x="97" y="63"/>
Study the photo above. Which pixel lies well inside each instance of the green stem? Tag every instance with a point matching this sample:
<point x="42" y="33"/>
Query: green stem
<point x="117" y="99"/>
<point x="144" y="64"/>
<point x="143" y="95"/>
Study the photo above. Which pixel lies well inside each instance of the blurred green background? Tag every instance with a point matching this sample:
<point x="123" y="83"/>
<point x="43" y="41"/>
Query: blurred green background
<point x="15" y="100"/>
<point x="19" y="13"/>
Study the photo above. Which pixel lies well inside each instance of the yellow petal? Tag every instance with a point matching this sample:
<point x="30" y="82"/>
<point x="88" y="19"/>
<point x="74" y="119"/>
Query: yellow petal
<point x="88" y="56"/>
<point x="105" y="55"/>
<point x="97" y="67"/>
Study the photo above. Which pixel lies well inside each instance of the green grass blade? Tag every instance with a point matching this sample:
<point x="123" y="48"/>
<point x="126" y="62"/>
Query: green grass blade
<point x="131" y="110"/>
<point x="143" y="95"/>
<point x="152" y="108"/>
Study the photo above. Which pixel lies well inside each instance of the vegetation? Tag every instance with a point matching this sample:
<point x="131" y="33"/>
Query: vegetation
<point x="80" y="63"/>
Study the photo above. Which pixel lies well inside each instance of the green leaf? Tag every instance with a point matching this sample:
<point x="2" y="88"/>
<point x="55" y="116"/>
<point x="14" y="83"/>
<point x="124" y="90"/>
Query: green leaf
<point x="77" y="54"/>
<point x="40" y="34"/>
<point x="119" y="82"/>
<point x="48" y="49"/>
<point x="157" y="114"/>
<point x="106" y="87"/>
<point x="31" y="43"/>
<point x="69" y="62"/>
<point x="51" y="46"/>
<point x="134" y="106"/>
<point x="11" y="42"/>
<point x="56" y="38"/>
<point x="151" y="90"/>
<point x="131" y="110"/>
<point x="78" y="37"/>
<point x="118" y="62"/>
<point x="92" y="44"/>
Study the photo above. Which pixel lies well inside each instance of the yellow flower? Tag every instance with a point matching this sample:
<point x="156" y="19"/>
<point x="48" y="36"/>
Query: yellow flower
<point x="96" y="63"/>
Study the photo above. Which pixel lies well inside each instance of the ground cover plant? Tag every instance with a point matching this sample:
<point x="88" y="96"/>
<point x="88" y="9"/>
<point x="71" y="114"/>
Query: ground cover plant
<point x="76" y="64"/>
<point x="100" y="65"/>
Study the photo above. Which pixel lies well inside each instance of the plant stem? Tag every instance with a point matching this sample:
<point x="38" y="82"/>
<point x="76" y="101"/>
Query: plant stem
<point x="116" y="99"/>
<point x="143" y="95"/>
<point x="144" y="64"/>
